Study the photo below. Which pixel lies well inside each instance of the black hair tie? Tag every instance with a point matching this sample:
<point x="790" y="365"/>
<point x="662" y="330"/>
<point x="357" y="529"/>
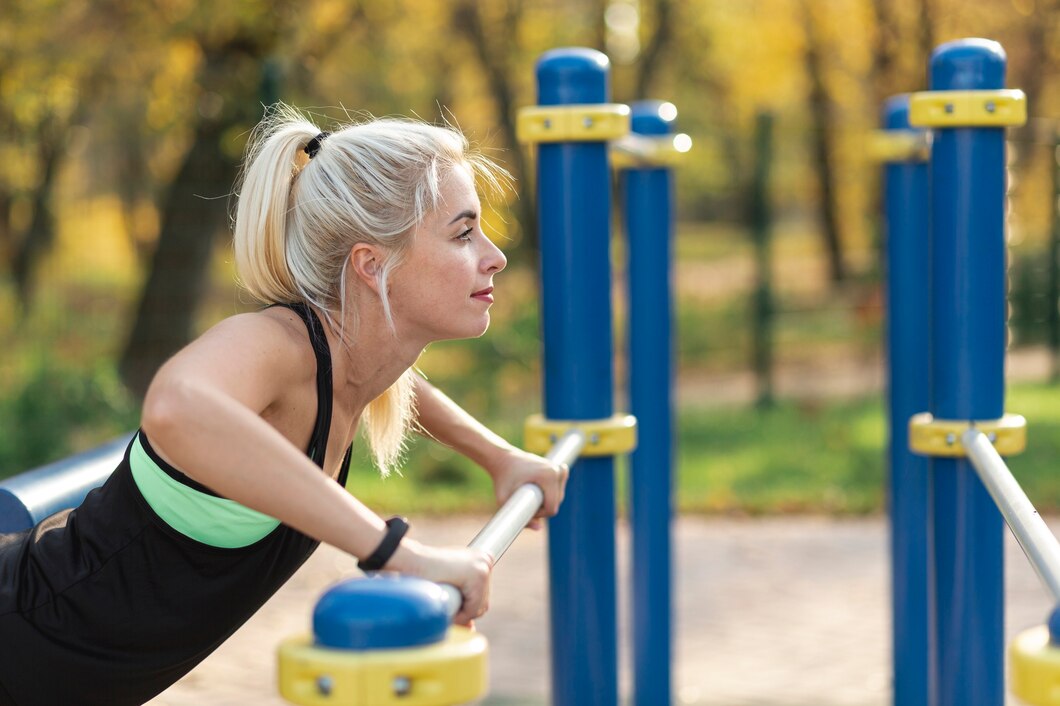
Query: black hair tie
<point x="313" y="146"/>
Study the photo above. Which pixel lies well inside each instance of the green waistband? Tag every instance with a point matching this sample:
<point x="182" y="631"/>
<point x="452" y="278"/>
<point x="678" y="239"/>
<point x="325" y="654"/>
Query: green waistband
<point x="218" y="522"/>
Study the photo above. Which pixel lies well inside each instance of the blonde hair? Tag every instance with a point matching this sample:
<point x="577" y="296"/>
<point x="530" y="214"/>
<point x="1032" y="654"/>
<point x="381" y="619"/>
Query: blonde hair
<point x="298" y="217"/>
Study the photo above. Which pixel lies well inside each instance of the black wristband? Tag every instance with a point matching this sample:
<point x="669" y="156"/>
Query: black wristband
<point x="396" y="527"/>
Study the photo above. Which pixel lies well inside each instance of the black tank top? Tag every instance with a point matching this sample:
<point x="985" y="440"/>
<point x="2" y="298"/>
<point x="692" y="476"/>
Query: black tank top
<point x="107" y="604"/>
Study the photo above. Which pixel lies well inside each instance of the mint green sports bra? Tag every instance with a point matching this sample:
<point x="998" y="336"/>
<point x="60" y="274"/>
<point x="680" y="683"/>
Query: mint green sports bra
<point x="206" y="518"/>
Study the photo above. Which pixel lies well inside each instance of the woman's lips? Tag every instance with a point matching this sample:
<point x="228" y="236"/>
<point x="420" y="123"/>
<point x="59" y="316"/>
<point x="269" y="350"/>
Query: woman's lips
<point x="484" y="295"/>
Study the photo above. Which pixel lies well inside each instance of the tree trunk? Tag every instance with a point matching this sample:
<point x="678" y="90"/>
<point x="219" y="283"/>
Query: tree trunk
<point x="196" y="206"/>
<point x="195" y="211"/>
<point x="885" y="52"/>
<point x="177" y="278"/>
<point x="651" y="58"/>
<point x="41" y="232"/>
<point x="926" y="40"/>
<point x="823" y="132"/>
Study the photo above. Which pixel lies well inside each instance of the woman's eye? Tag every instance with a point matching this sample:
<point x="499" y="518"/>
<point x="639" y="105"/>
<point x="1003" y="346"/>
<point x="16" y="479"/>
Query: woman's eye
<point x="466" y="235"/>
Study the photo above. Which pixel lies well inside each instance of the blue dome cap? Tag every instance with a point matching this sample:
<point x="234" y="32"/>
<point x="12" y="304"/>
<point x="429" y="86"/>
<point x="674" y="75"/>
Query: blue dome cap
<point x="652" y="117"/>
<point x="968" y="65"/>
<point x="381" y="612"/>
<point x="573" y="75"/>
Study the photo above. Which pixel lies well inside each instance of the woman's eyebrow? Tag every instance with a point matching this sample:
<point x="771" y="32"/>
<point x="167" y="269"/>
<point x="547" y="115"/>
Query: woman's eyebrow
<point x="468" y="213"/>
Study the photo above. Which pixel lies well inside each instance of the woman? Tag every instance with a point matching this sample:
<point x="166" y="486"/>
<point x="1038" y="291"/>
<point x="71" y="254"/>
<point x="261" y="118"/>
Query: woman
<point x="367" y="245"/>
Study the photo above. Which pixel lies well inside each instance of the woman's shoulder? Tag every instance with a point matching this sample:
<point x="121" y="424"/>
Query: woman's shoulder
<point x="276" y="332"/>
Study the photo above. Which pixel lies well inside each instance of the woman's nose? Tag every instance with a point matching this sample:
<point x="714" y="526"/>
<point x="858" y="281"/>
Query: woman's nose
<point x="494" y="260"/>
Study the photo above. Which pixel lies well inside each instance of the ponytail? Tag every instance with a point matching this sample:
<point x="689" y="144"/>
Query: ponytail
<point x="276" y="155"/>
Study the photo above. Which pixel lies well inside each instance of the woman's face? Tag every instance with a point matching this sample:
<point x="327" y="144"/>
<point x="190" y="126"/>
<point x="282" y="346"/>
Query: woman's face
<point x="444" y="287"/>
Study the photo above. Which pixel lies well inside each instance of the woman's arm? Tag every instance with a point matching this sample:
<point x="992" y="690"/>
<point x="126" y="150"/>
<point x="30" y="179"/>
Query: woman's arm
<point x="510" y="467"/>
<point x="202" y="414"/>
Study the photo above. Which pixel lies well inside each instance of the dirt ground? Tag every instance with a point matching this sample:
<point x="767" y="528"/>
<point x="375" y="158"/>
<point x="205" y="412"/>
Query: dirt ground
<point x="768" y="612"/>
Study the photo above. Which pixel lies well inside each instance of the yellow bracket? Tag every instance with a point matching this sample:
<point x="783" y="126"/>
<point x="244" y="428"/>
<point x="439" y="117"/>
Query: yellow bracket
<point x="572" y="123"/>
<point x="449" y="672"/>
<point x="942" y="437"/>
<point x="1034" y="668"/>
<point x="900" y="145"/>
<point x="603" y="437"/>
<point x="643" y="152"/>
<point x="1001" y="108"/>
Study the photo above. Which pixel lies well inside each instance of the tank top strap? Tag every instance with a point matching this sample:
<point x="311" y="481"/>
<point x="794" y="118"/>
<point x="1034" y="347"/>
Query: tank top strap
<point x="318" y="442"/>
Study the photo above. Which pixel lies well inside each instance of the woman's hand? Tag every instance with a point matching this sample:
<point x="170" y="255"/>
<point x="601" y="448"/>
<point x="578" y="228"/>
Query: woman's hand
<point x="518" y="467"/>
<point x="466" y="569"/>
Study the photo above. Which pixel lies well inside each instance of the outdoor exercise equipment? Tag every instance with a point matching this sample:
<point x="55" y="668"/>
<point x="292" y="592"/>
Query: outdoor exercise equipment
<point x="904" y="152"/>
<point x="946" y="343"/>
<point x="387" y="639"/>
<point x="29" y="497"/>
<point x="646" y="159"/>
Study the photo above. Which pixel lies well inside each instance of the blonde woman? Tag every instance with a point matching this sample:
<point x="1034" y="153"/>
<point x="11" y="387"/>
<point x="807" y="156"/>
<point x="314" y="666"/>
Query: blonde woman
<point x="365" y="245"/>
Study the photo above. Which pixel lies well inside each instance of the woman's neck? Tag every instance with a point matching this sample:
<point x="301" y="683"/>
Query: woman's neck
<point x="369" y="357"/>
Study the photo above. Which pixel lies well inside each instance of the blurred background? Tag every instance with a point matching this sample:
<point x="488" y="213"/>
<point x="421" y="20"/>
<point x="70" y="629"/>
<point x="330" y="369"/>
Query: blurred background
<point x="122" y="125"/>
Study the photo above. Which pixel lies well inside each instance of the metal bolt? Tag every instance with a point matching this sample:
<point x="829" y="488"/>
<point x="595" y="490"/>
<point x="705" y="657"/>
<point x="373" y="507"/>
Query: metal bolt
<point x="548" y="124"/>
<point x="990" y="107"/>
<point x="595" y="439"/>
<point x="325" y="684"/>
<point x="951" y="439"/>
<point x="587" y="122"/>
<point x="949" y="108"/>
<point x="553" y="438"/>
<point x="402" y="686"/>
<point x="992" y="436"/>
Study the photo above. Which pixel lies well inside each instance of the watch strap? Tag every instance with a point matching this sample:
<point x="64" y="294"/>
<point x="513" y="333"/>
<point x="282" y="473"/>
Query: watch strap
<point x="396" y="527"/>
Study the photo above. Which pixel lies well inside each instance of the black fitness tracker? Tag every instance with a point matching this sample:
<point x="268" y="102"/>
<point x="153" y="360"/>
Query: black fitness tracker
<point x="396" y="527"/>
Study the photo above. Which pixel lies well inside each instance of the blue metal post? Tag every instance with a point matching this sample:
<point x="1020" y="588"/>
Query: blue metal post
<point x="647" y="199"/>
<point x="967" y="186"/>
<point x="905" y="205"/>
<point x="574" y="212"/>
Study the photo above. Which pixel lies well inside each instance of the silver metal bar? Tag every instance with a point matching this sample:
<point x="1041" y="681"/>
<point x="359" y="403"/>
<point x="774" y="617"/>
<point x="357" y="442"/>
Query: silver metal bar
<point x="520" y="508"/>
<point x="1030" y="530"/>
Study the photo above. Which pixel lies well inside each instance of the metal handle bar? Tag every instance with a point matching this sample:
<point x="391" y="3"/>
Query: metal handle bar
<point x="520" y="508"/>
<point x="1030" y="530"/>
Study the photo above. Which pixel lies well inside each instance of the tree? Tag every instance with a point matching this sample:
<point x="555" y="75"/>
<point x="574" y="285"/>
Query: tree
<point x="822" y="133"/>
<point x="195" y="209"/>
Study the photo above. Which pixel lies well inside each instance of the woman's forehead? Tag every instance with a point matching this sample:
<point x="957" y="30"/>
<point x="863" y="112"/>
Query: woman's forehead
<point x="457" y="192"/>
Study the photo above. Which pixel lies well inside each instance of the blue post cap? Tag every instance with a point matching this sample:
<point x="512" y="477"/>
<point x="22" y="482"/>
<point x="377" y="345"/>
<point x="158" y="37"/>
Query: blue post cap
<point x="381" y="612"/>
<point x="573" y="76"/>
<point x="968" y="65"/>
<point x="653" y="117"/>
<point x="895" y="113"/>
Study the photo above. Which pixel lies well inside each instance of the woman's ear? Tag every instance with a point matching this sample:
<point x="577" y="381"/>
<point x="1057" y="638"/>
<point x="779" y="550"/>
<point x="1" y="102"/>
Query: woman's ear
<point x="366" y="260"/>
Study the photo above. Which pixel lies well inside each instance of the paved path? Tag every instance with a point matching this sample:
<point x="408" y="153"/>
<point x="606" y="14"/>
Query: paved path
<point x="770" y="612"/>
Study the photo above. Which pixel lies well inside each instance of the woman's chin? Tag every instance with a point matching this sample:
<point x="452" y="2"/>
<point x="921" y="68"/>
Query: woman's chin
<point x="463" y="333"/>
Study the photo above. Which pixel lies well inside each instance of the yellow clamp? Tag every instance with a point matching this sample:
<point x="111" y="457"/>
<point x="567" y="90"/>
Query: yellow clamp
<point x="572" y="123"/>
<point x="900" y="145"/>
<point x="450" y="672"/>
<point x="1034" y="668"/>
<point x="1001" y="108"/>
<point x="942" y="437"/>
<point x="644" y="152"/>
<point x="603" y="437"/>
